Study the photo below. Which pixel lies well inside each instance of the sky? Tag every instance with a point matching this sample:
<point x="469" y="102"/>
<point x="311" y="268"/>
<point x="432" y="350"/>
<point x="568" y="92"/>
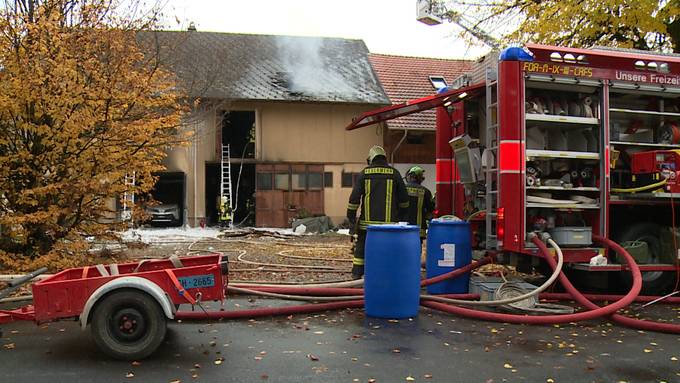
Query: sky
<point x="386" y="26"/>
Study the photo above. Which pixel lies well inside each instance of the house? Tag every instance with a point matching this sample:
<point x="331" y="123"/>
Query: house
<point x="280" y="103"/>
<point x="410" y="140"/>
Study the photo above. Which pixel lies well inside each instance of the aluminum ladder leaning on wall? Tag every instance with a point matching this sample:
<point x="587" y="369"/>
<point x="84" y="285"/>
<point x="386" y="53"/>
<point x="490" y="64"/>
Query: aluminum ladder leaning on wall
<point x="226" y="209"/>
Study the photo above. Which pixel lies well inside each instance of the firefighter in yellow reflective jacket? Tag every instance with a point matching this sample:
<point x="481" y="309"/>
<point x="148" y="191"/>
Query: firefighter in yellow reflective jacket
<point x="381" y="193"/>
<point x="421" y="205"/>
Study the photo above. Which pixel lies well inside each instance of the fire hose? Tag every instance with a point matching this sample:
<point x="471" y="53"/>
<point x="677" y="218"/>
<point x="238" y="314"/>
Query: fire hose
<point x="351" y="298"/>
<point x="594" y="312"/>
<point x="626" y="321"/>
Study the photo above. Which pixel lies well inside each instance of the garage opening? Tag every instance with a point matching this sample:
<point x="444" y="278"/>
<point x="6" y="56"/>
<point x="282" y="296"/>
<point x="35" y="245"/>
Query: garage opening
<point x="243" y="193"/>
<point x="169" y="192"/>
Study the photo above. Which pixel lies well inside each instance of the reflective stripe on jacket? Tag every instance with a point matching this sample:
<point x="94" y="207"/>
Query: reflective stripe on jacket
<point x="381" y="193"/>
<point x="421" y="206"/>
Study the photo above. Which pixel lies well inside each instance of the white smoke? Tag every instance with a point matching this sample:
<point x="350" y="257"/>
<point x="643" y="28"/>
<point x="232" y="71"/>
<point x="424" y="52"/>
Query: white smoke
<point x="307" y="71"/>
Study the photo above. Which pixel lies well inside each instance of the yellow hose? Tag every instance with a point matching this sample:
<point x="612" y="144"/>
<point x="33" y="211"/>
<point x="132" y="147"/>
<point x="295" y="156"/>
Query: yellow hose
<point x="641" y="188"/>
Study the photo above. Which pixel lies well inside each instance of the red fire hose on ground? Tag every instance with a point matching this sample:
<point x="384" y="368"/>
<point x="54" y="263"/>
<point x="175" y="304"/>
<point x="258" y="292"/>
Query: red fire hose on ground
<point x="626" y="321"/>
<point x="594" y="311"/>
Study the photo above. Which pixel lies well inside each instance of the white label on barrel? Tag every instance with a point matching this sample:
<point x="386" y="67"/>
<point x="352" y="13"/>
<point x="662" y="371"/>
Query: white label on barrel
<point x="449" y="255"/>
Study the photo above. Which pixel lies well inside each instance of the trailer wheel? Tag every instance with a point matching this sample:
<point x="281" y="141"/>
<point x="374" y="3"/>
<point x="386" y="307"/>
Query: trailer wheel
<point x="653" y="282"/>
<point x="128" y="325"/>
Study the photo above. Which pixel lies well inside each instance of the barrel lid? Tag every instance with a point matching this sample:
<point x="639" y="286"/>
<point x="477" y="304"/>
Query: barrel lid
<point x="392" y="227"/>
<point x="448" y="221"/>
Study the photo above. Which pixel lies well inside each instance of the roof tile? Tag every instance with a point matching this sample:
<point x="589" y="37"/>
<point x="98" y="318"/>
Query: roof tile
<point x="407" y="78"/>
<point x="267" y="67"/>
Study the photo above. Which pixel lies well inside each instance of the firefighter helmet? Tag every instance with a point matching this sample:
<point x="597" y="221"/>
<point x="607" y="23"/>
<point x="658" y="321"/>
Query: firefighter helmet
<point x="416" y="173"/>
<point x="375" y="151"/>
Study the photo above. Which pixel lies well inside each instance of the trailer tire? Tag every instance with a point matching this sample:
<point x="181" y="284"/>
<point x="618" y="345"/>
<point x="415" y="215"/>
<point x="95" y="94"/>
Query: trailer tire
<point x="653" y="282"/>
<point x="128" y="324"/>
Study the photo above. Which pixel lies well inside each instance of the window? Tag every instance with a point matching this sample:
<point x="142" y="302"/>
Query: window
<point x="315" y="181"/>
<point x="438" y="82"/>
<point x="281" y="181"/>
<point x="299" y="181"/>
<point x="349" y="179"/>
<point x="328" y="179"/>
<point x="264" y="181"/>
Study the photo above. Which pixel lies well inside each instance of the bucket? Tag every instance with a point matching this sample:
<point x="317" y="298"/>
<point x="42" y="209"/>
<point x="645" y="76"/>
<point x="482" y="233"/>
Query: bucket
<point x="392" y="271"/>
<point x="448" y="249"/>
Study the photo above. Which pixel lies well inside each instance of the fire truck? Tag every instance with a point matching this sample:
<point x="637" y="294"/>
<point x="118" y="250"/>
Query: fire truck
<point x="573" y="142"/>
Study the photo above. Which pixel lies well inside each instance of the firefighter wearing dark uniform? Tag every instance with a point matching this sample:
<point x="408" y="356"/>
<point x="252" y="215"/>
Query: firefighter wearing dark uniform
<point x="421" y="204"/>
<point x="381" y="193"/>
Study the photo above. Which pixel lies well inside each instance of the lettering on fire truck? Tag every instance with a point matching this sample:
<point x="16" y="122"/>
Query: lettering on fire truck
<point x="556" y="69"/>
<point x="651" y="78"/>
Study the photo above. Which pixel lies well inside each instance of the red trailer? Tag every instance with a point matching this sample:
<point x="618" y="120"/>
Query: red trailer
<point x="126" y="305"/>
<point x="553" y="139"/>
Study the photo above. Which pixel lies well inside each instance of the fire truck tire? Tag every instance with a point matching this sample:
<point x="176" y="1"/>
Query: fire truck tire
<point x="653" y="282"/>
<point x="128" y="324"/>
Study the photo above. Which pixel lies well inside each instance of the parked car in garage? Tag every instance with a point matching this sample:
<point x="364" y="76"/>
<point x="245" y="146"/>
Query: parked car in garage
<point x="164" y="214"/>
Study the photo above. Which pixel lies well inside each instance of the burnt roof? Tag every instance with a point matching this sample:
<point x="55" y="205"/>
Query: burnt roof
<point x="267" y="67"/>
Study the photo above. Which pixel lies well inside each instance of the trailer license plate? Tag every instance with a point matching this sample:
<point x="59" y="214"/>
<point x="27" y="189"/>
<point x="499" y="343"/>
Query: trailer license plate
<point x="197" y="281"/>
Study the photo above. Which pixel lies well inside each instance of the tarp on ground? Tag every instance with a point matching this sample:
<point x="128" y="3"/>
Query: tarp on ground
<point x="320" y="224"/>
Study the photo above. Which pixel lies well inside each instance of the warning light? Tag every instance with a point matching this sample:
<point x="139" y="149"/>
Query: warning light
<point x="500" y="224"/>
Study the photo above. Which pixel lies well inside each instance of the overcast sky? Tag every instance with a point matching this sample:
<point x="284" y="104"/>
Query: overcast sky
<point x="386" y="26"/>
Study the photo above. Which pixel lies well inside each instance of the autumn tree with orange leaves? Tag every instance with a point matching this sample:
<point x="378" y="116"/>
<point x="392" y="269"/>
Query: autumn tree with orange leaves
<point x="81" y="106"/>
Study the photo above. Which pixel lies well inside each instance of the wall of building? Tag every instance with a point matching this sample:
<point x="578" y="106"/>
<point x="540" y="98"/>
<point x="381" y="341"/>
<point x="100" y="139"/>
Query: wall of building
<point x="191" y="161"/>
<point x="314" y="133"/>
<point x="336" y="197"/>
<point x="420" y="153"/>
<point x="285" y="133"/>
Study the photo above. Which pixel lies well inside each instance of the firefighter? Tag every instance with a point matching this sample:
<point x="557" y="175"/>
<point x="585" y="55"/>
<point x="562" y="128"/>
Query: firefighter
<point x="225" y="213"/>
<point x="381" y="193"/>
<point x="421" y="205"/>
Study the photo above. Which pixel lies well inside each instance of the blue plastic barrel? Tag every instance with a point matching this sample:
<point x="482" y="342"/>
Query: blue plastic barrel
<point x="392" y="271"/>
<point x="448" y="249"/>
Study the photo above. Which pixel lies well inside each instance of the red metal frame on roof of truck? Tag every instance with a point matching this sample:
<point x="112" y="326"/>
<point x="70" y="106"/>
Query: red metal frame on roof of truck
<point x="410" y="107"/>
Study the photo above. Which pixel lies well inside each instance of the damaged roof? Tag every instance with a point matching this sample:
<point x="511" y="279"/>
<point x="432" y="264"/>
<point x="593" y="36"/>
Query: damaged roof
<point x="266" y="67"/>
<point x="408" y="78"/>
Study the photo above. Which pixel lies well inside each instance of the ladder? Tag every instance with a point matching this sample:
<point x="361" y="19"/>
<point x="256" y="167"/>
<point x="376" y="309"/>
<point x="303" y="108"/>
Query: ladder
<point x="128" y="197"/>
<point x="226" y="208"/>
<point x="490" y="157"/>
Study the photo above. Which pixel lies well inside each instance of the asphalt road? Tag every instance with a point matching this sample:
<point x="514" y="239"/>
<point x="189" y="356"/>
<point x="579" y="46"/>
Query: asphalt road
<point x="348" y="347"/>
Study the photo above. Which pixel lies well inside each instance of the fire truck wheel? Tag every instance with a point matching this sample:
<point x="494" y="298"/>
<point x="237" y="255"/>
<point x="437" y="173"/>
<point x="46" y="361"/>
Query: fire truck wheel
<point x="653" y="282"/>
<point x="128" y="325"/>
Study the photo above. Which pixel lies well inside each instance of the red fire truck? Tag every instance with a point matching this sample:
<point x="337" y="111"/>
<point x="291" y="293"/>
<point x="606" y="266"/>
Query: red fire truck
<point x="573" y="142"/>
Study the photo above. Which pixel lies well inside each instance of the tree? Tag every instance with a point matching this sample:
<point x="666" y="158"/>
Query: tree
<point x="640" y="24"/>
<point x="81" y="106"/>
